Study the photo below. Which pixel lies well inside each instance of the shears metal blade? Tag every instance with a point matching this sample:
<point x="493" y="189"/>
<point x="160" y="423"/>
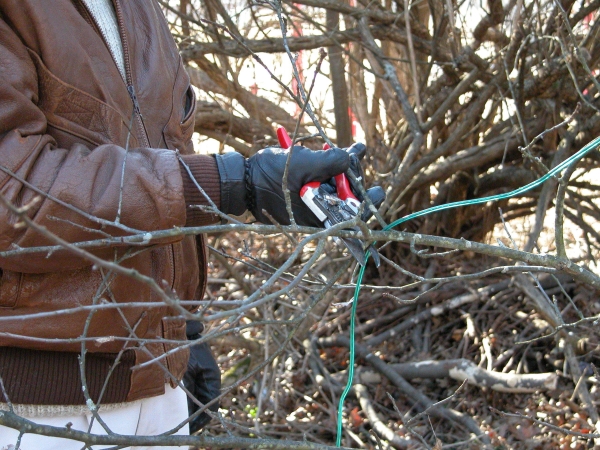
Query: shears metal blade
<point x="332" y="209"/>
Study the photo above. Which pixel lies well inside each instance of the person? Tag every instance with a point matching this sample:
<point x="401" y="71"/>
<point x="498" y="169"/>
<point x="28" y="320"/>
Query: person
<point x="96" y="119"/>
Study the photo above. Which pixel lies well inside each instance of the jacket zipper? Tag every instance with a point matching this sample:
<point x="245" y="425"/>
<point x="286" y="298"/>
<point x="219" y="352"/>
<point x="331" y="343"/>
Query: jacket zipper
<point x="128" y="76"/>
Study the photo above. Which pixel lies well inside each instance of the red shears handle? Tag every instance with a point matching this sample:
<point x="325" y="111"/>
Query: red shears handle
<point x="284" y="138"/>
<point x="344" y="191"/>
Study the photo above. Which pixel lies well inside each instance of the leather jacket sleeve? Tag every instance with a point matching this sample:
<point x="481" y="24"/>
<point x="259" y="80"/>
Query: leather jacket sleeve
<point x="88" y="179"/>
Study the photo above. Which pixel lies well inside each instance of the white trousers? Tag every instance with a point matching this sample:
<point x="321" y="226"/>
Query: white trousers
<point x="147" y="417"/>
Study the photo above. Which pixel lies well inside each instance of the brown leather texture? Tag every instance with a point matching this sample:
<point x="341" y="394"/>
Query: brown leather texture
<point x="65" y="113"/>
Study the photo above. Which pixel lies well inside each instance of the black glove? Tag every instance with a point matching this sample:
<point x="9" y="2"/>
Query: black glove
<point x="256" y="183"/>
<point x="202" y="378"/>
<point x="262" y="178"/>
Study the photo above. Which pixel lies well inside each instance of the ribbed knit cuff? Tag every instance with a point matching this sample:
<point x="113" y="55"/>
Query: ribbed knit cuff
<point x="205" y="172"/>
<point x="232" y="170"/>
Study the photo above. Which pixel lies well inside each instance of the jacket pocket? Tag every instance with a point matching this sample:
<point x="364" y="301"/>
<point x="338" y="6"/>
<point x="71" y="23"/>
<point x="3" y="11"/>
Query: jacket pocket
<point x="187" y="123"/>
<point x="10" y="285"/>
<point x="178" y="131"/>
<point x="174" y="329"/>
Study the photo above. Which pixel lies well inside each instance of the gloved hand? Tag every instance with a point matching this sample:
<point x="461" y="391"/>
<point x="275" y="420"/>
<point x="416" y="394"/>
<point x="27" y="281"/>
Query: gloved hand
<point x="202" y="378"/>
<point x="265" y="174"/>
<point x="256" y="183"/>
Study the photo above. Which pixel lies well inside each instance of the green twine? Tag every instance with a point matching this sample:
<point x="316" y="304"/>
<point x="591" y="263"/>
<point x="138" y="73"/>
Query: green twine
<point x="559" y="168"/>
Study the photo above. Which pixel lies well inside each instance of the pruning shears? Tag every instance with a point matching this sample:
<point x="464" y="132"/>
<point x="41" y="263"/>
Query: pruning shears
<point x="332" y="209"/>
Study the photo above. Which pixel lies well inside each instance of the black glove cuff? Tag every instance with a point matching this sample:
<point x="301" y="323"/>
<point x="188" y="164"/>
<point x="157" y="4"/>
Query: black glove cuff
<point x="233" y="184"/>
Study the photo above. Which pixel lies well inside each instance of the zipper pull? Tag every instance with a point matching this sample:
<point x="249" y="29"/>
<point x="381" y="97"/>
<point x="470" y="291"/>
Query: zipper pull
<point x="136" y="105"/>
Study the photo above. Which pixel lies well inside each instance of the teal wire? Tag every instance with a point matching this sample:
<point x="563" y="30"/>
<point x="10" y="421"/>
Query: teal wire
<point x="559" y="168"/>
<point x="361" y="273"/>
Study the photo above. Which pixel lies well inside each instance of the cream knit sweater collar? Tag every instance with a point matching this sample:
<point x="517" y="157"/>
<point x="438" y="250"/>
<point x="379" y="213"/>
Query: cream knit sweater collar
<point x="104" y="15"/>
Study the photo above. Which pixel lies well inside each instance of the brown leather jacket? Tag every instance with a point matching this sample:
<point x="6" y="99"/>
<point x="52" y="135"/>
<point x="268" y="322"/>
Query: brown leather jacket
<point x="65" y="113"/>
